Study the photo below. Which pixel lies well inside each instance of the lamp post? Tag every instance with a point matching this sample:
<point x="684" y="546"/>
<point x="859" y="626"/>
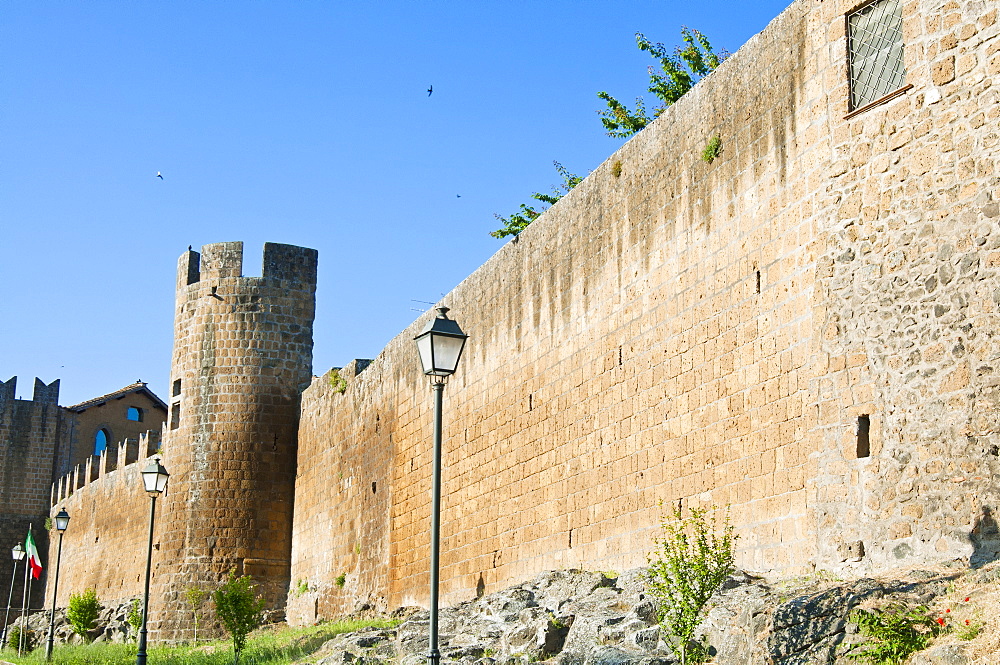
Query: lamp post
<point x="62" y="521"/>
<point x="154" y="480"/>
<point x="440" y="347"/>
<point x="18" y="554"/>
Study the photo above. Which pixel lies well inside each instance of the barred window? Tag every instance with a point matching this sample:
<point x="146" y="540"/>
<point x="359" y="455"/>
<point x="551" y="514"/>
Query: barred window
<point x="875" y="51"/>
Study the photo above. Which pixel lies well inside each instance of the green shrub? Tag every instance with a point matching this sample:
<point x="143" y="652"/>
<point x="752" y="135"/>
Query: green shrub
<point x="692" y="559"/>
<point x="195" y="597"/>
<point x="135" y="617"/>
<point x="14" y="637"/>
<point x="526" y="214"/>
<point x="82" y="613"/>
<point x="680" y="69"/>
<point x="341" y="580"/>
<point x="239" y="609"/>
<point x="895" y="632"/>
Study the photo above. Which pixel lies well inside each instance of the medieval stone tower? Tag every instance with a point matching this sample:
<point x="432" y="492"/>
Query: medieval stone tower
<point x="242" y="355"/>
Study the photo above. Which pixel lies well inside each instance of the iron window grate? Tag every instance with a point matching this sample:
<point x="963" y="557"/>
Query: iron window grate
<point x="875" y="51"/>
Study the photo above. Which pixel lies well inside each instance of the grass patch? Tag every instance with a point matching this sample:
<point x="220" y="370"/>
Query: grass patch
<point x="272" y="645"/>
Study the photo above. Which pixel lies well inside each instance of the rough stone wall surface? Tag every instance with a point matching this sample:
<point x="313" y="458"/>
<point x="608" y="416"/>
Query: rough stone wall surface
<point x="104" y="547"/>
<point x="30" y="431"/>
<point x="242" y="356"/>
<point x="706" y="332"/>
<point x="343" y="500"/>
<point x="907" y="304"/>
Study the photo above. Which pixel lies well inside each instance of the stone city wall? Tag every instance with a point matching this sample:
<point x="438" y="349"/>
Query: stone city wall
<point x="906" y="305"/>
<point x="715" y="333"/>
<point x="30" y="433"/>
<point x="104" y="546"/>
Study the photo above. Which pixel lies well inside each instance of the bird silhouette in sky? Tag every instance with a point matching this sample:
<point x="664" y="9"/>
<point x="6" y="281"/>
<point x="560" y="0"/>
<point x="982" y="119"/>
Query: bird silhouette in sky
<point x="159" y="175"/>
<point x="430" y="90"/>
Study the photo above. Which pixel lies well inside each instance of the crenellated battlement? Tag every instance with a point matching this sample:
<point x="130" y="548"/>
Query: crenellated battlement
<point x="294" y="266"/>
<point x="46" y="394"/>
<point x="43" y="393"/>
<point x="113" y="458"/>
<point x="8" y="388"/>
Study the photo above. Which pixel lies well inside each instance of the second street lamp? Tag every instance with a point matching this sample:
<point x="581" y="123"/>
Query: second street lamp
<point x="440" y="346"/>
<point x="17" y="552"/>
<point x="62" y="521"/>
<point x="154" y="481"/>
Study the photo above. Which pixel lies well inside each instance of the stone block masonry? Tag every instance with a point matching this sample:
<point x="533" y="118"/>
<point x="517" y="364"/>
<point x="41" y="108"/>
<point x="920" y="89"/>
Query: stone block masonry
<point x="242" y="355"/>
<point x="803" y="329"/>
<point x="30" y="432"/>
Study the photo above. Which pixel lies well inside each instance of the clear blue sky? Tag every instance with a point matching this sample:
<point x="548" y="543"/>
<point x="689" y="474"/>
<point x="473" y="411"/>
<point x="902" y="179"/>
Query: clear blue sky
<point x="296" y="122"/>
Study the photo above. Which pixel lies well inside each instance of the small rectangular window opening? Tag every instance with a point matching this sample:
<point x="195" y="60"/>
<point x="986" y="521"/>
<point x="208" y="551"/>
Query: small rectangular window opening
<point x="175" y="416"/>
<point x="176" y="391"/>
<point x="875" y="52"/>
<point x="864" y="443"/>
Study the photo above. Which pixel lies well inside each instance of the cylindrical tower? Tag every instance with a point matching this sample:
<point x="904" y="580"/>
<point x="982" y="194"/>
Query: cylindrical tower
<point x="242" y="356"/>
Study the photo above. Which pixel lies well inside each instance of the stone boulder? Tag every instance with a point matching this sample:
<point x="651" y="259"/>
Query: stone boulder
<point x="575" y="617"/>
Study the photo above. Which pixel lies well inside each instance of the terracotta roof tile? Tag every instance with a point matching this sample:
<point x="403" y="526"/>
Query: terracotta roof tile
<point x="137" y="387"/>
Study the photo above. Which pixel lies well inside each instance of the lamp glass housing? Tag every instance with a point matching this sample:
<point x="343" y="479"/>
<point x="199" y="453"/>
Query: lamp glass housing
<point x="154" y="477"/>
<point x="62" y="520"/>
<point x="440" y="345"/>
<point x="17" y="552"/>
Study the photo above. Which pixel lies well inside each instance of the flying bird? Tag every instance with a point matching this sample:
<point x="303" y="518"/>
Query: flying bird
<point x="458" y="196"/>
<point x="430" y="90"/>
<point x="159" y="175"/>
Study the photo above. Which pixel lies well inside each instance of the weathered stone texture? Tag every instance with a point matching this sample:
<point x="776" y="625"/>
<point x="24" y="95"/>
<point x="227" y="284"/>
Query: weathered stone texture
<point x="104" y="547"/>
<point x="706" y="332"/>
<point x="242" y="355"/>
<point x="906" y="294"/>
<point x="30" y="431"/>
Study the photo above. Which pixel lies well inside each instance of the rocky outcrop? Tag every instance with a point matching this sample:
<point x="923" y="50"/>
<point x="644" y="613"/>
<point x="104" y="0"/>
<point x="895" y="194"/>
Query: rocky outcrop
<point x="111" y="626"/>
<point x="574" y="617"/>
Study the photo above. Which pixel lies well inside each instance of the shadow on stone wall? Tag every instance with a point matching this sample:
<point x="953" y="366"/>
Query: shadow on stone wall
<point x="985" y="538"/>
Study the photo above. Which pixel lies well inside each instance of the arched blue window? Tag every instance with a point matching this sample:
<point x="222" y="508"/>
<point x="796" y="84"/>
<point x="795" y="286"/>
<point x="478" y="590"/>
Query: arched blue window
<point x="100" y="441"/>
<point x="134" y="413"/>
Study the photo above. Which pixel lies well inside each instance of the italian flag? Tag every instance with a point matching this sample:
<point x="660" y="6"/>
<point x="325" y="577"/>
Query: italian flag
<point x="33" y="560"/>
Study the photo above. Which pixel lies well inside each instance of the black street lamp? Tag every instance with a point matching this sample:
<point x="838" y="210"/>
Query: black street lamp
<point x="440" y="346"/>
<point x="154" y="480"/>
<point x="17" y="552"/>
<point x="62" y="521"/>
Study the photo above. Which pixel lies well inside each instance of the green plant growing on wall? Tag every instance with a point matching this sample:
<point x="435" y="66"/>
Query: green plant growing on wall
<point x="527" y="214"/>
<point x="301" y="587"/>
<point x="690" y="561"/>
<point x="195" y="598"/>
<point x="82" y="613"/>
<point x="134" y="618"/>
<point x="616" y="169"/>
<point x="239" y="609"/>
<point x="895" y="632"/>
<point x="679" y="71"/>
<point x="338" y="382"/>
<point x="341" y="580"/>
<point x="712" y="150"/>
